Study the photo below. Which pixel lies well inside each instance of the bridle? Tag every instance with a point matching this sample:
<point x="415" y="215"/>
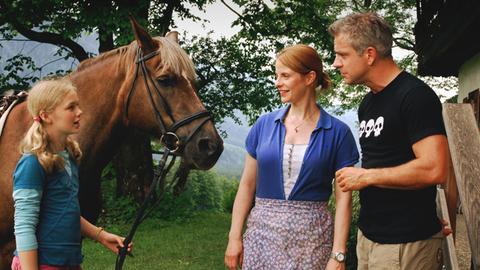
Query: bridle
<point x="168" y="138"/>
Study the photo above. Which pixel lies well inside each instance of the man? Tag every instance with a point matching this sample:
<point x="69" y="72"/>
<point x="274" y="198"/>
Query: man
<point x="404" y="151"/>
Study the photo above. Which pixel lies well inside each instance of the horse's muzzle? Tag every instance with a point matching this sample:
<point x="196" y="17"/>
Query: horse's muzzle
<point x="209" y="150"/>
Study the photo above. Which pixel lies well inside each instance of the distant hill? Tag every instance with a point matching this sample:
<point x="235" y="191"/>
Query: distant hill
<point x="232" y="159"/>
<point x="236" y="133"/>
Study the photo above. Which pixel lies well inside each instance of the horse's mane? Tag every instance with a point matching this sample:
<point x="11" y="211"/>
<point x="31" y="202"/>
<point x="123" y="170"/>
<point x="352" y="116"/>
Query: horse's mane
<point x="174" y="58"/>
<point x="91" y="61"/>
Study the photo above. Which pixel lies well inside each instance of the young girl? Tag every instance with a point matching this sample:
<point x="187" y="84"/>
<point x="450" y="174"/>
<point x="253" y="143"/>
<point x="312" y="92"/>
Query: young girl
<point x="48" y="225"/>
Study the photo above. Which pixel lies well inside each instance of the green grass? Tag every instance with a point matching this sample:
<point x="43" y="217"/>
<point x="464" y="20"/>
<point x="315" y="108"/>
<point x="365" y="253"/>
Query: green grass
<point x="195" y="243"/>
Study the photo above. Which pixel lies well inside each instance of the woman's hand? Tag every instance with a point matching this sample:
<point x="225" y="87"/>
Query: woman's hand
<point x="113" y="242"/>
<point x="334" y="265"/>
<point x="234" y="254"/>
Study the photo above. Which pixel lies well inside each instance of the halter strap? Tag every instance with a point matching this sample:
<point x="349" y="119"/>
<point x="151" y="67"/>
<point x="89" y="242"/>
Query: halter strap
<point x="189" y="119"/>
<point x="166" y="133"/>
<point x="145" y="57"/>
<point x="140" y="64"/>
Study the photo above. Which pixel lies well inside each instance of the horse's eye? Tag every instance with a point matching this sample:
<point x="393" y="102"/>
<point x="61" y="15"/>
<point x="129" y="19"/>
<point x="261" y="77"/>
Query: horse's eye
<point x="166" y="81"/>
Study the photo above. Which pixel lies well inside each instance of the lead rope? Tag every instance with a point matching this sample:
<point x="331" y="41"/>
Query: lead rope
<point x="122" y="253"/>
<point x="166" y="134"/>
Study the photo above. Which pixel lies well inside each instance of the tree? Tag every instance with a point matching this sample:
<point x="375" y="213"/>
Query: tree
<point x="235" y="73"/>
<point x="241" y="69"/>
<point x="60" y="23"/>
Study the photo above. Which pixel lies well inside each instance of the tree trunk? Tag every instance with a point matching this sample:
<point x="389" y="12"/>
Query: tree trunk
<point x="133" y="163"/>
<point x="133" y="166"/>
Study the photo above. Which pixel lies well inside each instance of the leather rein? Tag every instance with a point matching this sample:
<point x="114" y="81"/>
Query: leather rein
<point x="168" y="138"/>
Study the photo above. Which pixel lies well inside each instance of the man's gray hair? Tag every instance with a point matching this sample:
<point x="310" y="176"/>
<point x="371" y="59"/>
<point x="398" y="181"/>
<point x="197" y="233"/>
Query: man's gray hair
<point x="365" y="30"/>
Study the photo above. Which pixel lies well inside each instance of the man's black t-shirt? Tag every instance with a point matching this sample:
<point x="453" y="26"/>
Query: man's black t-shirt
<point x="391" y="121"/>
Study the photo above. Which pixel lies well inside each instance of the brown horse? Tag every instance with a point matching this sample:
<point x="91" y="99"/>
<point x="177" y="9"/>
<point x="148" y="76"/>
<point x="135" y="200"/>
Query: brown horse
<point x="147" y="85"/>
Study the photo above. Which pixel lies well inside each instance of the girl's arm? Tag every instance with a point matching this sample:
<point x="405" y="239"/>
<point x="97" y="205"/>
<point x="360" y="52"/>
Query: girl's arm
<point x="109" y="240"/>
<point x="343" y="216"/>
<point x="28" y="259"/>
<point x="241" y="208"/>
<point x="27" y="209"/>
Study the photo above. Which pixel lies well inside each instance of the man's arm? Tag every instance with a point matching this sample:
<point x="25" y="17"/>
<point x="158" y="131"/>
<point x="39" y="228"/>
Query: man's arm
<point x="430" y="167"/>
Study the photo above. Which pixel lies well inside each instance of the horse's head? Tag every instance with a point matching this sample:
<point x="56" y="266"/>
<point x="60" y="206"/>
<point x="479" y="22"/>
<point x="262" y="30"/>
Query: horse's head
<point x="161" y="98"/>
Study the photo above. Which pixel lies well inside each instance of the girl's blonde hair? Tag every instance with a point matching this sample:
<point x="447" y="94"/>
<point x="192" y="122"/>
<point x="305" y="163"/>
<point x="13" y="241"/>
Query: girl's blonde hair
<point x="46" y="96"/>
<point x="302" y="58"/>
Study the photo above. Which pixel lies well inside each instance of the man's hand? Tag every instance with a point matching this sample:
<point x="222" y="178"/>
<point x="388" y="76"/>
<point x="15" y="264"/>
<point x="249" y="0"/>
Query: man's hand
<point x="350" y="178"/>
<point x="446" y="230"/>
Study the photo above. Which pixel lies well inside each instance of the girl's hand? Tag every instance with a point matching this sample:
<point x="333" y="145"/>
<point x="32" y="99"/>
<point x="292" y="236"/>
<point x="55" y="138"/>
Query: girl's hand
<point x="234" y="254"/>
<point x="334" y="265"/>
<point x="113" y="242"/>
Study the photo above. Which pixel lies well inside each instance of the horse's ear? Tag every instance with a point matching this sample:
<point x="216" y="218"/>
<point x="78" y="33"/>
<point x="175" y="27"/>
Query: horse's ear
<point x="144" y="40"/>
<point x="173" y="36"/>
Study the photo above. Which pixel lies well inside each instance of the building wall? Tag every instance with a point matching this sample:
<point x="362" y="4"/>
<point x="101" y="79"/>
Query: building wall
<point x="469" y="77"/>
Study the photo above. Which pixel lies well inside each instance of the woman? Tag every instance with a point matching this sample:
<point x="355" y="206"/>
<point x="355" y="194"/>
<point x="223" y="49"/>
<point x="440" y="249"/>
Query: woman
<point x="293" y="154"/>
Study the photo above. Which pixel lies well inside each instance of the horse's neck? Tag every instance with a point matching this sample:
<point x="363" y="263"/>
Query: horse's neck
<point x="101" y="128"/>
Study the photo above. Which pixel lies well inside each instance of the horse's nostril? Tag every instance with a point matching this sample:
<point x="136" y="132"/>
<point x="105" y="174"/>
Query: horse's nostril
<point x="205" y="145"/>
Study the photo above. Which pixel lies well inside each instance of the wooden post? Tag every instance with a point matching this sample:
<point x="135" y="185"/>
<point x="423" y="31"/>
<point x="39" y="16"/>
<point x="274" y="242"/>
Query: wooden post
<point x="451" y="194"/>
<point x="464" y="143"/>
<point x="448" y="246"/>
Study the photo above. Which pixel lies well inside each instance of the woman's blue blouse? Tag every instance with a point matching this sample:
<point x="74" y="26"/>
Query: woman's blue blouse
<point x="331" y="147"/>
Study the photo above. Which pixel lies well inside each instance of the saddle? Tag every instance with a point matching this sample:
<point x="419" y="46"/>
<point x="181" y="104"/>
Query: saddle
<point x="7" y="102"/>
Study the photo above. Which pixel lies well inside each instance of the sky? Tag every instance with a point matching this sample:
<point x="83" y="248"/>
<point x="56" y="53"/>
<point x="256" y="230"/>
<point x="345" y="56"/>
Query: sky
<point x="221" y="18"/>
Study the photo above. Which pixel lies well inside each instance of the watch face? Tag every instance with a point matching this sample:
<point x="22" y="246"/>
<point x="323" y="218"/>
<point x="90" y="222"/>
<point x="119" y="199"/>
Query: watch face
<point x="340" y="256"/>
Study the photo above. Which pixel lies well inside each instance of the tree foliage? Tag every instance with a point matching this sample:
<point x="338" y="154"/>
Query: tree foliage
<point x="234" y="73"/>
<point x="240" y="70"/>
<point x="63" y="22"/>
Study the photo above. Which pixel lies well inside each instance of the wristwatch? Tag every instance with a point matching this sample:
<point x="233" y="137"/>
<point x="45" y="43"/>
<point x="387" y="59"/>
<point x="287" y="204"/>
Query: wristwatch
<point x="338" y="256"/>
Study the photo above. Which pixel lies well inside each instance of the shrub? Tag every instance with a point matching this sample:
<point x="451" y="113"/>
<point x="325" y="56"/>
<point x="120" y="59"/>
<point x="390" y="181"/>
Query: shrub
<point x="229" y="189"/>
<point x="202" y="192"/>
<point x="205" y="190"/>
<point x="114" y="210"/>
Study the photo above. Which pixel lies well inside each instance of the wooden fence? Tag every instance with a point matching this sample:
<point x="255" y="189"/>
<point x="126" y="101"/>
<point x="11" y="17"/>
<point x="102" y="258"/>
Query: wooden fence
<point x="464" y="181"/>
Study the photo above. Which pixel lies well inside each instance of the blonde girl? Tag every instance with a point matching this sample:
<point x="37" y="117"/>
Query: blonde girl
<point x="48" y="225"/>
